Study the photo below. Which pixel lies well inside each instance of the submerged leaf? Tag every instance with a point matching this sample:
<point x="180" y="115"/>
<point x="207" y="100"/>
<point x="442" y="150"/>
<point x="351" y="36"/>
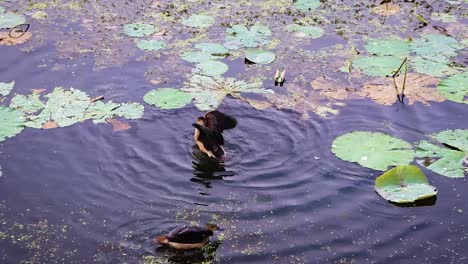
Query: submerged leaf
<point x="378" y="65"/>
<point x="404" y="184"/>
<point x="330" y="88"/>
<point x="139" y="29"/>
<point x="6" y="40"/>
<point x="373" y="150"/>
<point x="387" y="9"/>
<point x="259" y="56"/>
<point x="5" y="88"/>
<point x="242" y="36"/>
<point x="150" y="45"/>
<point x="418" y="88"/>
<point x="199" y="21"/>
<point x="11" y="122"/>
<point x="455" y="88"/>
<point x="10" y="20"/>
<point x="307" y="5"/>
<point x="168" y="98"/>
<point x="305" y="31"/>
<point x="118" y="125"/>
<point x="443" y="160"/>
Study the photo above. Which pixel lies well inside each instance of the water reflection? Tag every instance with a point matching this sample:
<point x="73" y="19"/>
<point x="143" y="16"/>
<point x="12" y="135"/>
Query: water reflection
<point x="207" y="169"/>
<point x="204" y="255"/>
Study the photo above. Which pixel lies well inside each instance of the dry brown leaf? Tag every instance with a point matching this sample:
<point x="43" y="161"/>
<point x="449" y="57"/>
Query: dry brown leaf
<point x="38" y="91"/>
<point x="419" y="88"/>
<point x="387" y="9"/>
<point x="49" y="125"/>
<point x="6" y="40"/>
<point x="331" y="89"/>
<point x="118" y="125"/>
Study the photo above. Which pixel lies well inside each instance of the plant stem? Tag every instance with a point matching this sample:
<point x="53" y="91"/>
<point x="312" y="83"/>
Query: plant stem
<point x="404" y="80"/>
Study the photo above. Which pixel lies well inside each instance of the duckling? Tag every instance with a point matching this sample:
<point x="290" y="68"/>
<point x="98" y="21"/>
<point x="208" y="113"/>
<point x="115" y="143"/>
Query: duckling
<point x="188" y="237"/>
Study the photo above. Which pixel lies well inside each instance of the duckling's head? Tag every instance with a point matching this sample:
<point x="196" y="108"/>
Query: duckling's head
<point x="212" y="227"/>
<point x="201" y="121"/>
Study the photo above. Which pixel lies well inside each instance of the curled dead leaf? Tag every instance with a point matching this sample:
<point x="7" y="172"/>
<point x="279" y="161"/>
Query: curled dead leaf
<point x="419" y="88"/>
<point x="49" y="125"/>
<point x="388" y="9"/>
<point x="6" y="40"/>
<point x="118" y="125"/>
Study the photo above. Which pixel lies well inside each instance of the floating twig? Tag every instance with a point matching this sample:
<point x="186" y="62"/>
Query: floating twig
<point x="99" y="98"/>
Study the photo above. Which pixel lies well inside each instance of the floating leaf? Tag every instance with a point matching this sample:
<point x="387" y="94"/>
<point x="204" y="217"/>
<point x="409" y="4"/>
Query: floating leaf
<point x="129" y="110"/>
<point x="100" y="111"/>
<point x="373" y="150"/>
<point x="209" y="52"/>
<point x="383" y="47"/>
<point x="305" y="31"/>
<point x="256" y="36"/>
<point x="27" y="104"/>
<point x="11" y="122"/>
<point x="259" y="56"/>
<point x="5" y="88"/>
<point x="6" y="40"/>
<point x="404" y="184"/>
<point x="387" y="9"/>
<point x="139" y="29"/>
<point x="209" y="92"/>
<point x="436" y="47"/>
<point x="214" y="49"/>
<point x="307" y="5"/>
<point x="378" y="65"/>
<point x="432" y="68"/>
<point x="118" y="125"/>
<point x="150" y="45"/>
<point x="455" y="88"/>
<point x="419" y="88"/>
<point x="196" y="56"/>
<point x="443" y="160"/>
<point x="212" y="68"/>
<point x="2" y="9"/>
<point x="168" y="98"/>
<point x="10" y="20"/>
<point x="199" y="21"/>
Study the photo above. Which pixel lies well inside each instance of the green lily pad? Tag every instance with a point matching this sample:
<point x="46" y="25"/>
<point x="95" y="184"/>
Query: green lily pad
<point x="129" y="110"/>
<point x="212" y="68"/>
<point x="259" y="56"/>
<point x="214" y="49"/>
<point x="100" y="111"/>
<point x="307" y="5"/>
<point x="199" y="21"/>
<point x="2" y="9"/>
<point x="443" y="160"/>
<point x="436" y="47"/>
<point x="209" y="52"/>
<point x="27" y="104"/>
<point x="11" y="122"/>
<point x="150" y="45"/>
<point x="378" y="65"/>
<point x="256" y="36"/>
<point x="196" y="56"/>
<point x="5" y="88"/>
<point x="209" y="92"/>
<point x="305" y="31"/>
<point x="168" y="98"/>
<point x="455" y="88"/>
<point x="373" y="150"/>
<point x="429" y="67"/>
<point x="404" y="184"/>
<point x="139" y="29"/>
<point x="10" y="20"/>
<point x="384" y="47"/>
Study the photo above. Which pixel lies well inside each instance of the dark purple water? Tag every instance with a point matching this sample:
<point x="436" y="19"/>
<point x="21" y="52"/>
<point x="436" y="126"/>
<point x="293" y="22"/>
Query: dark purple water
<point x="85" y="194"/>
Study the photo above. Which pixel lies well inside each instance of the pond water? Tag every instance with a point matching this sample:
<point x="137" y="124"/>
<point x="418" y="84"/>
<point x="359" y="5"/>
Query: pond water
<point x="85" y="193"/>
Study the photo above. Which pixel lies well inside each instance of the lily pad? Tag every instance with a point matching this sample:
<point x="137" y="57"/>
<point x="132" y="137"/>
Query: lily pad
<point x="212" y="68"/>
<point x="209" y="52"/>
<point x="256" y="36"/>
<point x="404" y="184"/>
<point x="436" y="47"/>
<point x="377" y="65"/>
<point x="383" y="47"/>
<point x="5" y="88"/>
<point x="373" y="150"/>
<point x="307" y="5"/>
<point x="209" y="92"/>
<point x="139" y="29"/>
<point x="199" y="21"/>
<point x="196" y="56"/>
<point x="447" y="161"/>
<point x="430" y="67"/>
<point x="129" y="110"/>
<point x="455" y="88"/>
<point x="150" y="45"/>
<point x="168" y="98"/>
<point x="2" y="9"/>
<point x="214" y="49"/>
<point x="10" y="20"/>
<point x="27" y="104"/>
<point x="11" y="122"/>
<point x="305" y="31"/>
<point x="259" y="56"/>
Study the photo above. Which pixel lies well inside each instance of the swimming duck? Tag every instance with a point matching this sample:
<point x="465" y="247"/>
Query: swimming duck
<point x="188" y="237"/>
